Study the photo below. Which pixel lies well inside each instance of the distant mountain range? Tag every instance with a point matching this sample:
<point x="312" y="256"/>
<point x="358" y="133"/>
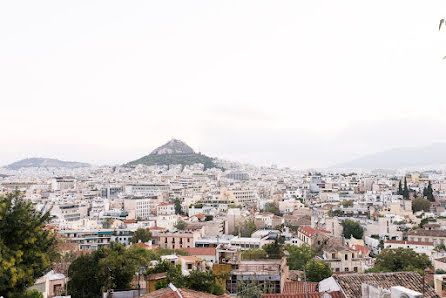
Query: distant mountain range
<point x="433" y="155"/>
<point x="174" y="152"/>
<point x="45" y="163"/>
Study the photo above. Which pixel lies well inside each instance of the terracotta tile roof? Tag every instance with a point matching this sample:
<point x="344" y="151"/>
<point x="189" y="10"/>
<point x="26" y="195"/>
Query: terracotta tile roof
<point x="156" y="276"/>
<point x="364" y="250"/>
<point x="294" y="287"/>
<point x="336" y="294"/>
<point x="351" y="283"/>
<point x="191" y="258"/>
<point x="200" y="251"/>
<point x="310" y="232"/>
<point x="409" y="242"/>
<point x="141" y="244"/>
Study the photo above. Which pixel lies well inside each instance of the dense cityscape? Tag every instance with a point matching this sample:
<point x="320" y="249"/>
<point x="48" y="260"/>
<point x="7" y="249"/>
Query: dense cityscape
<point x="150" y="228"/>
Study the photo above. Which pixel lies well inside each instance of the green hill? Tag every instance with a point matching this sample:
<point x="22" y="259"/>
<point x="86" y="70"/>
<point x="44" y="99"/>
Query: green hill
<point x="174" y="152"/>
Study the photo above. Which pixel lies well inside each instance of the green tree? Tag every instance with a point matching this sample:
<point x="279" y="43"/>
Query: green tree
<point x="249" y="289"/>
<point x="107" y="223"/>
<point x="348" y="203"/>
<point x="405" y="190"/>
<point x="420" y="204"/>
<point x="352" y="228"/>
<point x="400" y="259"/>
<point x="26" y="247"/>
<point x="430" y="192"/>
<point x="33" y="294"/>
<point x="272" y="207"/>
<point x="208" y="217"/>
<point x="84" y="276"/>
<point x="317" y="270"/>
<point x="299" y="256"/>
<point x="178" y="207"/>
<point x="181" y="225"/>
<point x="141" y="234"/>
<point x="274" y="250"/>
<point x="245" y="228"/>
<point x="254" y="254"/>
<point x="107" y="268"/>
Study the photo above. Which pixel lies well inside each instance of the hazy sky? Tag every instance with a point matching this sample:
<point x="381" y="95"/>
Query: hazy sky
<point x="299" y="83"/>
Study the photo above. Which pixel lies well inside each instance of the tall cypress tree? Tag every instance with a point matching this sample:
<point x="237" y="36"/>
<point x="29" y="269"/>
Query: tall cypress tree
<point x="406" y="190"/>
<point x="430" y="192"/>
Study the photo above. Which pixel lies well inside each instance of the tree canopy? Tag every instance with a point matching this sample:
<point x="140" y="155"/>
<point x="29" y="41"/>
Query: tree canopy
<point x="181" y="225"/>
<point x="352" y="228"/>
<point x="26" y="247"/>
<point x="400" y="259"/>
<point x="299" y="256"/>
<point x="245" y="228"/>
<point x="318" y="270"/>
<point x="202" y="281"/>
<point x="272" y="207"/>
<point x="420" y="204"/>
<point x="254" y="254"/>
<point x="107" y="268"/>
<point x="178" y="207"/>
<point x="274" y="250"/>
<point x="428" y="192"/>
<point x="141" y="234"/>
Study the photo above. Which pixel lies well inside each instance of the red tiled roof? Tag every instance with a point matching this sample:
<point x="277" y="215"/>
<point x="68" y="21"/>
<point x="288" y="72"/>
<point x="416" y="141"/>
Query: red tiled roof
<point x="200" y="251"/>
<point x="409" y="242"/>
<point x="364" y="250"/>
<point x="141" y="244"/>
<point x="310" y="232"/>
<point x="294" y="287"/>
<point x="186" y="293"/>
<point x="351" y="284"/>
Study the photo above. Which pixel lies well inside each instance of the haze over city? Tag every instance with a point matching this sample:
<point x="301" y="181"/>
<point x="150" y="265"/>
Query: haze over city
<point x="294" y="83"/>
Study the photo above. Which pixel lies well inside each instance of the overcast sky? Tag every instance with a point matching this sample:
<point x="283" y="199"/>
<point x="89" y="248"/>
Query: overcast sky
<point x="298" y="83"/>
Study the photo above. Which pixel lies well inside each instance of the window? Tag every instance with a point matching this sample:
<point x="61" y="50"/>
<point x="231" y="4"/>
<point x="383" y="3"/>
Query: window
<point x="333" y="256"/>
<point x="355" y="269"/>
<point x="346" y="256"/>
<point x="337" y="269"/>
<point x="346" y="269"/>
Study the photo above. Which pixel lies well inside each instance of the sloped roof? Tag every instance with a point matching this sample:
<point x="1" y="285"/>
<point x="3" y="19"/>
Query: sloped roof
<point x="351" y="283"/>
<point x="186" y="293"/>
<point x="294" y="287"/>
<point x="200" y="251"/>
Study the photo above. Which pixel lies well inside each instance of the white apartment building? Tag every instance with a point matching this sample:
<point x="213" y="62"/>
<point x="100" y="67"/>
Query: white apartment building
<point x="416" y="246"/>
<point x="245" y="195"/>
<point x="165" y="209"/>
<point x="141" y="189"/>
<point x="137" y="207"/>
<point x="70" y="211"/>
<point x="62" y="183"/>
